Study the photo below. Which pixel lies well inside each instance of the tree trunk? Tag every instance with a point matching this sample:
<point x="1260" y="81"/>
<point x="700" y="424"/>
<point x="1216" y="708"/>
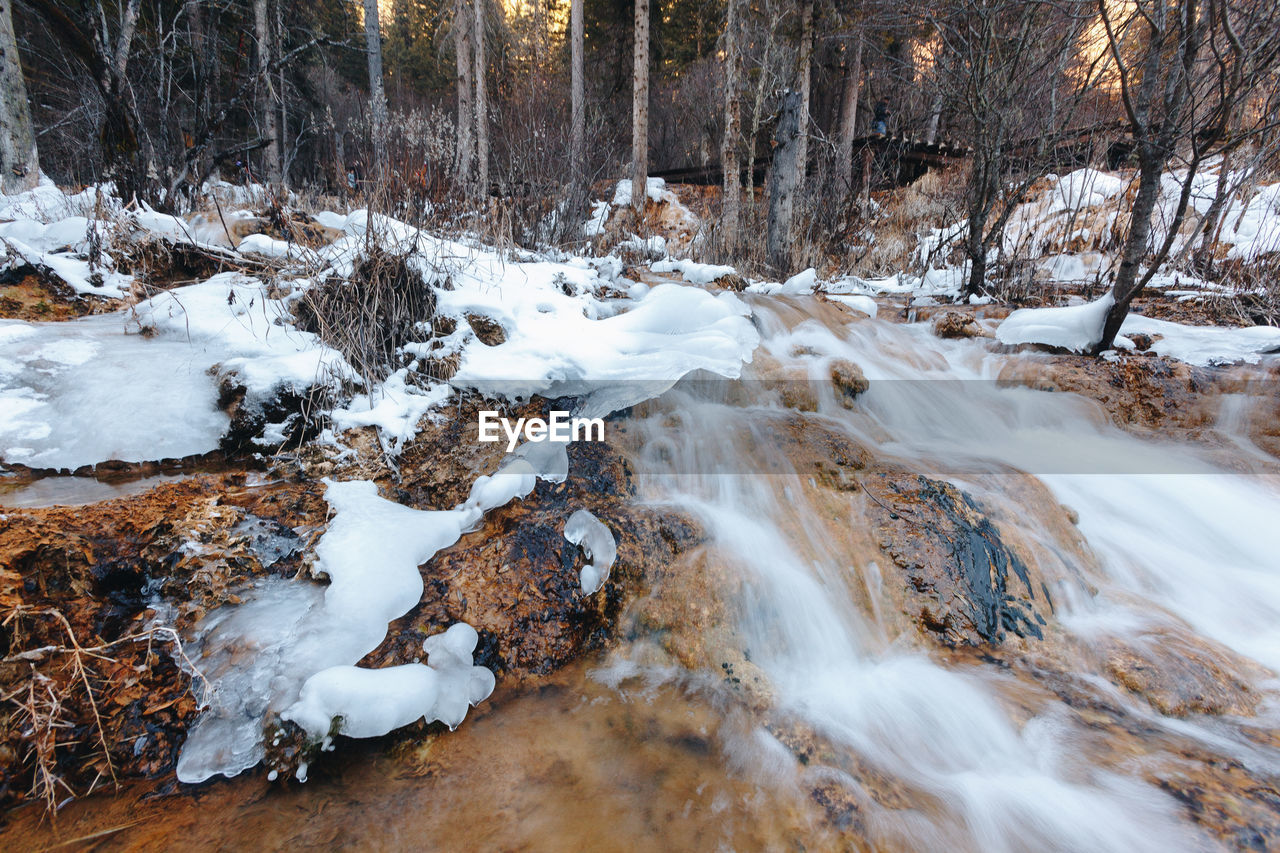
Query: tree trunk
<point x="482" y="107"/>
<point x="285" y="157"/>
<point x="577" y="93"/>
<point x="266" y="94"/>
<point x="757" y="113"/>
<point x="782" y="182"/>
<point x="464" y="152"/>
<point x="1203" y="258"/>
<point x="806" y="78"/>
<point x="377" y="96"/>
<point x="849" y="116"/>
<point x="732" y="131"/>
<point x="935" y="118"/>
<point x="202" y="88"/>
<point x="18" y="161"/>
<point x="1150" y="170"/>
<point x="640" y="109"/>
<point x="976" y="249"/>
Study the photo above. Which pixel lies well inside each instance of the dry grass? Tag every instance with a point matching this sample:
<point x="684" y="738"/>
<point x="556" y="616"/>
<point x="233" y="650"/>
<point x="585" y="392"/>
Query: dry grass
<point x="385" y="304"/>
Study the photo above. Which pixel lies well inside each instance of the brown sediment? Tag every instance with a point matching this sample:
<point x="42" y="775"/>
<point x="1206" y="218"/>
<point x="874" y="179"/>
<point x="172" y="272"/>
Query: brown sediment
<point x="564" y="764"/>
<point x="28" y="294"/>
<point x="89" y="660"/>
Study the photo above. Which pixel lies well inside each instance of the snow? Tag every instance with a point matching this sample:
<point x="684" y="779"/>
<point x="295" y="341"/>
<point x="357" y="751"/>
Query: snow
<point x="598" y="545"/>
<point x="1205" y="345"/>
<point x="801" y="284"/>
<point x="554" y="349"/>
<point x="1079" y="327"/>
<point x="858" y="302"/>
<point x="395" y="407"/>
<point x="1073" y="327"/>
<point x="692" y="271"/>
<point x="594" y="225"/>
<point x="373" y="702"/>
<point x="655" y="189"/>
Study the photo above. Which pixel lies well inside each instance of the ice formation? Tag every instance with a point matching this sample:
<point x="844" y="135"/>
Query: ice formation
<point x="598" y="545"/>
<point x="292" y="647"/>
<point x="373" y="702"/>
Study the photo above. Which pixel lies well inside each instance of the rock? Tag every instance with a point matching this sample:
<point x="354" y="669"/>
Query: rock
<point x="102" y="567"/>
<point x="1180" y="674"/>
<point x="798" y="392"/>
<point x="1141" y="342"/>
<point x="1146" y="392"/>
<point x="849" y="381"/>
<point x="731" y="281"/>
<point x="964" y="585"/>
<point x="954" y="324"/>
<point x="487" y="329"/>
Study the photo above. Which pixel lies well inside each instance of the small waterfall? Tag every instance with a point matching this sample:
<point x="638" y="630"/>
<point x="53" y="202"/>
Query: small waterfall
<point x="1173" y="541"/>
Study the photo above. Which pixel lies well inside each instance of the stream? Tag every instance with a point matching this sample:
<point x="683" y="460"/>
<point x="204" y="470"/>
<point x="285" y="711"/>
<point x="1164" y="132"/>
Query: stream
<point x="691" y="741"/>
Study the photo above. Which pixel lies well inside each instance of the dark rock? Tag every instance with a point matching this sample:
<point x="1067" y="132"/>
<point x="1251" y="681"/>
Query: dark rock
<point x="961" y="577"/>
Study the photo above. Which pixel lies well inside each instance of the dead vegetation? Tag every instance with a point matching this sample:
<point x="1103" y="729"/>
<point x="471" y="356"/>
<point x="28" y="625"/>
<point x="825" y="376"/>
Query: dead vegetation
<point x="368" y="317"/>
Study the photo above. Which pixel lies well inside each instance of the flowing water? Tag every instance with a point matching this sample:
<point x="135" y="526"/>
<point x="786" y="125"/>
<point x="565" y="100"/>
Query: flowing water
<point x="909" y="746"/>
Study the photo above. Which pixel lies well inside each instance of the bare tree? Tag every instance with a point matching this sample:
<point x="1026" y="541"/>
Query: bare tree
<point x="640" y="108"/>
<point x="732" y="134"/>
<point x="782" y="182"/>
<point x="127" y="157"/>
<point x="464" y="152"/>
<point x="1010" y="70"/>
<point x="1195" y="65"/>
<point x="577" y="92"/>
<point x="377" y="96"/>
<point x="18" y="160"/>
<point x="851" y="87"/>
<point x="804" y="74"/>
<point x="482" y="105"/>
<point x="266" y="93"/>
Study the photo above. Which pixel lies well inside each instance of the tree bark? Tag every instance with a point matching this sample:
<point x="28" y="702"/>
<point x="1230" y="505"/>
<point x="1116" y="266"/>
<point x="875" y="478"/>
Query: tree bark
<point x="577" y="94"/>
<point x="730" y="202"/>
<point x="640" y="109"/>
<point x="377" y="95"/>
<point x="805" y="85"/>
<point x="18" y="158"/>
<point x="464" y="153"/>
<point x="935" y="118"/>
<point x="482" y="107"/>
<point x="849" y="115"/>
<point x="266" y="94"/>
<point x="782" y="182"/>
<point x="1126" y="287"/>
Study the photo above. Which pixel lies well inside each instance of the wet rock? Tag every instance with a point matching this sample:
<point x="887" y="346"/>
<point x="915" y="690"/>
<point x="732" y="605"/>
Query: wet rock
<point x="1147" y="392"/>
<point x="954" y="324"/>
<point x="849" y="381"/>
<point x="797" y="392"/>
<point x="287" y="419"/>
<point x="965" y="586"/>
<point x="1226" y="799"/>
<point x="515" y="580"/>
<point x="1180" y="674"/>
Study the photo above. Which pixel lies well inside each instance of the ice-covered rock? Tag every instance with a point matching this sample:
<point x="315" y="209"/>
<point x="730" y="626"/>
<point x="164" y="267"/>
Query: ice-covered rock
<point x="598" y="545"/>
